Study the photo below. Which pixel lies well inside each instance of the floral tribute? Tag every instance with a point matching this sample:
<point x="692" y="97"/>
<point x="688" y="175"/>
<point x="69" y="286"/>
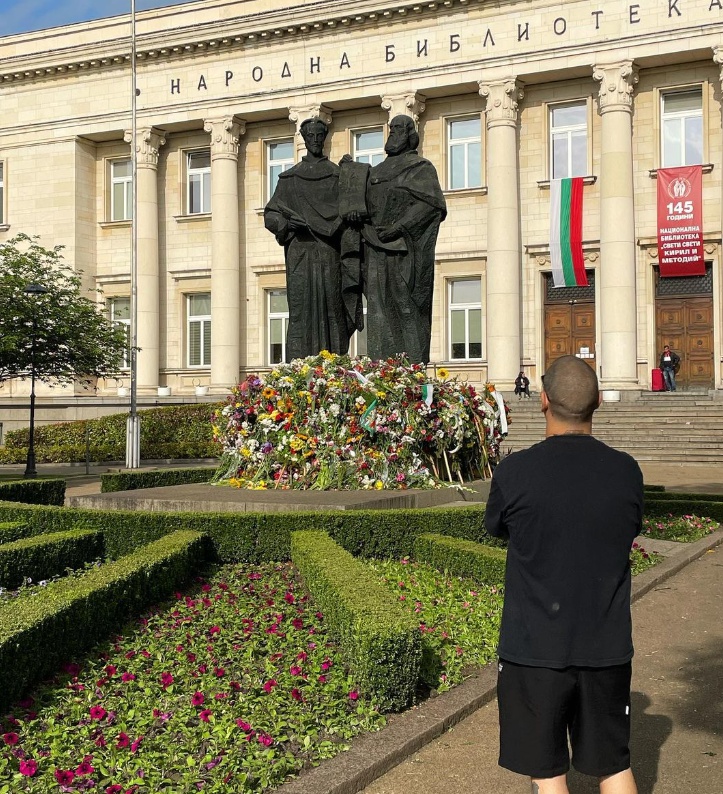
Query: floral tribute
<point x="329" y="421"/>
<point x="232" y="688"/>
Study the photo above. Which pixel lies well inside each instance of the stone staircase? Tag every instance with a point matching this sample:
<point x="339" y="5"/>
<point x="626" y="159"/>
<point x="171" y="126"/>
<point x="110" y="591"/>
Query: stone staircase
<point x="657" y="426"/>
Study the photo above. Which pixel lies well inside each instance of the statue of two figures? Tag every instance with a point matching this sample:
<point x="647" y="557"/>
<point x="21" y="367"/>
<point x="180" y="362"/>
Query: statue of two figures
<point x="352" y="229"/>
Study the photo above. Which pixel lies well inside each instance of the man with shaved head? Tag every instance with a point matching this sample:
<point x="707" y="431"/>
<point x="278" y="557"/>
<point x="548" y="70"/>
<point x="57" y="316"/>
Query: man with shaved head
<point x="570" y="508"/>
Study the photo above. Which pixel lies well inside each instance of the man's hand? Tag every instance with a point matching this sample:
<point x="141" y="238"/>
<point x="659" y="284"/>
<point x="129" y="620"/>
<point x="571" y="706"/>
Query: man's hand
<point x="386" y="235"/>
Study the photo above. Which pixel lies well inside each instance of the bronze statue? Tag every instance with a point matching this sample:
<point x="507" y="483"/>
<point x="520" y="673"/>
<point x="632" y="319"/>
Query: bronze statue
<point x="399" y="227"/>
<point x="303" y="214"/>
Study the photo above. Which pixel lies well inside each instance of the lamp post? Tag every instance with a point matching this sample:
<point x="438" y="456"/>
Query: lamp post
<point x="33" y="290"/>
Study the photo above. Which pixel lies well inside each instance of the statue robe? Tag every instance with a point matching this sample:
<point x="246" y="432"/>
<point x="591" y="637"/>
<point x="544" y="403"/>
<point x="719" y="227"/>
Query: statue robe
<point x="318" y="319"/>
<point x="403" y="192"/>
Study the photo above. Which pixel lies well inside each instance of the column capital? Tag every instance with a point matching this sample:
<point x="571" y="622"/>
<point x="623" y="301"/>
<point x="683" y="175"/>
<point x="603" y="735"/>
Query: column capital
<point x="408" y="103"/>
<point x="148" y="144"/>
<point x="502" y="101"/>
<point x="299" y="114"/>
<point x="617" y="83"/>
<point x="225" y="134"/>
<point x="718" y="58"/>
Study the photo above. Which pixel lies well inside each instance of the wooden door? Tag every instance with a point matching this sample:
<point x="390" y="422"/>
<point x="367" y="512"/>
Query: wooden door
<point x="570" y="330"/>
<point x="686" y="324"/>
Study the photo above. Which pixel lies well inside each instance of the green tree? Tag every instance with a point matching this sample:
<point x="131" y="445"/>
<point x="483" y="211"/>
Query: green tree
<point x="73" y="339"/>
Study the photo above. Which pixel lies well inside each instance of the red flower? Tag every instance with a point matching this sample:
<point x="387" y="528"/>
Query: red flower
<point x="110" y="670"/>
<point x="295" y="670"/>
<point x="214" y="630"/>
<point x="204" y="715"/>
<point x="84" y="768"/>
<point x="296" y="694"/>
<point x="322" y="679"/>
<point x="64" y="776"/>
<point x="114" y="789"/>
<point x="289" y="598"/>
<point x="123" y="740"/>
<point x="97" y="712"/>
<point x="11" y="739"/>
<point x="353" y="695"/>
<point x="100" y="741"/>
<point x="128" y="677"/>
<point x="269" y="685"/>
<point x="244" y="726"/>
<point x="28" y="768"/>
<point x="166" y="680"/>
<point x="136" y="744"/>
<point x="197" y="698"/>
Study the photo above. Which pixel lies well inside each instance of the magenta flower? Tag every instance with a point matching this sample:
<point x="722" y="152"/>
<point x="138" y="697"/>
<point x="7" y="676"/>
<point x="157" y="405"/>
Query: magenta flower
<point x="265" y="739"/>
<point x="244" y="726"/>
<point x="289" y="598"/>
<point x="97" y="712"/>
<point x="269" y="685"/>
<point x="128" y="677"/>
<point x="116" y="788"/>
<point x="166" y="680"/>
<point x="84" y="768"/>
<point x="123" y="740"/>
<point x="204" y="715"/>
<point x="11" y="739"/>
<point x="296" y="694"/>
<point x="354" y="695"/>
<point x="64" y="776"/>
<point x="214" y="630"/>
<point x="197" y="698"/>
<point x="136" y="744"/>
<point x="295" y="670"/>
<point x="110" y="670"/>
<point x="100" y="741"/>
<point x="220" y="672"/>
<point x="28" y="768"/>
<point x="321" y="679"/>
<point x="297" y="623"/>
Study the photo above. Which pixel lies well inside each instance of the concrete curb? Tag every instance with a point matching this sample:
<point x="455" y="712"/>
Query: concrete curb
<point x="371" y="755"/>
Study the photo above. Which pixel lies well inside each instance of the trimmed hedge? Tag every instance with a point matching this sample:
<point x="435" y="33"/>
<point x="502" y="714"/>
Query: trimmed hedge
<point x="654" y="488"/>
<point x="379" y="638"/>
<point x="258" y="537"/>
<point x="38" y="634"/>
<point x="132" y="480"/>
<point x="674" y="496"/>
<point x="76" y="453"/>
<point x="44" y="556"/>
<point x="684" y="507"/>
<point x="13" y="530"/>
<point x="34" y="492"/>
<point x="465" y="558"/>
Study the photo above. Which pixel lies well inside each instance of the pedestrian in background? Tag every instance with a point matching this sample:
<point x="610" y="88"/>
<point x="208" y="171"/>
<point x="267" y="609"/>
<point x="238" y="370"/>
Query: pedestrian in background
<point x="522" y="385"/>
<point x="669" y="363"/>
<point x="570" y="507"/>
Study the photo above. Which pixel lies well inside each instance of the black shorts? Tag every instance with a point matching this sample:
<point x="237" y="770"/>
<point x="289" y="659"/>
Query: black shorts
<point x="540" y="706"/>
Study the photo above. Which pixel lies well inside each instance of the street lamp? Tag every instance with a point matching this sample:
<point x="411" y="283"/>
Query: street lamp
<point x="33" y="290"/>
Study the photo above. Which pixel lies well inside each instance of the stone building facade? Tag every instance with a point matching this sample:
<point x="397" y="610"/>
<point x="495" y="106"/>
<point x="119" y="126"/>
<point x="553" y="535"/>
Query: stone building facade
<point x="506" y="96"/>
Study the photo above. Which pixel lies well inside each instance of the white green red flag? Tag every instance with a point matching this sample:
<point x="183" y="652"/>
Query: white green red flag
<point x="568" y="263"/>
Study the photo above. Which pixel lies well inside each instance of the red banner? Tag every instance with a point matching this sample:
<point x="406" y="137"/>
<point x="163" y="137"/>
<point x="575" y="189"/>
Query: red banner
<point x="680" y="221"/>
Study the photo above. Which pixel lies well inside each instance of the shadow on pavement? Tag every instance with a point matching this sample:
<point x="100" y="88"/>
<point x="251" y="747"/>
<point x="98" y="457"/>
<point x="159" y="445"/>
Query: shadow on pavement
<point x="649" y="733"/>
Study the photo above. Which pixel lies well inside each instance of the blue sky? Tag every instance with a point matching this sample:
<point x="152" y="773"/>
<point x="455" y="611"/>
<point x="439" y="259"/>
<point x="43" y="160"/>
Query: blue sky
<point x="19" y="16"/>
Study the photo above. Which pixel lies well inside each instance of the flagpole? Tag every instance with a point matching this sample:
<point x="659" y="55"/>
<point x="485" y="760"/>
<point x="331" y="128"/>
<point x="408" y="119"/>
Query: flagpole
<point x="133" y="427"/>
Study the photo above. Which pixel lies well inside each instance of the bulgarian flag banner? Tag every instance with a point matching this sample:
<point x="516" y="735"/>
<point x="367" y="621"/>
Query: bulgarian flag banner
<point x="568" y="264"/>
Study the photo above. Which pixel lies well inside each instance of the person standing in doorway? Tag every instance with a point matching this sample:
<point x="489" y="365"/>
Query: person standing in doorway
<point x="570" y="508"/>
<point x="522" y="385"/>
<point x="669" y="363"/>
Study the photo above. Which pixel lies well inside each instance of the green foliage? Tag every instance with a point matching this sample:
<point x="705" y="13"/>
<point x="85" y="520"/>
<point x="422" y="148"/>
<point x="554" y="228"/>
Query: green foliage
<point x="654" y="488"/>
<point x="674" y="496"/>
<point x="72" y="337"/>
<point x="43" y="556"/>
<point x="38" y="634"/>
<point x="380" y="640"/>
<point x="641" y="560"/>
<point x="12" y="530"/>
<point x="684" y="529"/>
<point x="465" y="558"/>
<point x="34" y="492"/>
<point x="683" y="507"/>
<point x="132" y="480"/>
<point x="459" y="619"/>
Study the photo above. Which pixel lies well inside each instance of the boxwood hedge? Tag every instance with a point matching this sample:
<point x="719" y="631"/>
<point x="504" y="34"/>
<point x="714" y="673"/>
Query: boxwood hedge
<point x="132" y="480"/>
<point x="36" y="492"/>
<point x="484" y="564"/>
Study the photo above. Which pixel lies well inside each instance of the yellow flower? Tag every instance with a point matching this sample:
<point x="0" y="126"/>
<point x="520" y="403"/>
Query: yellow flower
<point x="379" y="485"/>
<point x="268" y="392"/>
<point x="442" y="373"/>
<point x="305" y="369"/>
<point x="381" y="394"/>
<point x="325" y="354"/>
<point x="246" y="453"/>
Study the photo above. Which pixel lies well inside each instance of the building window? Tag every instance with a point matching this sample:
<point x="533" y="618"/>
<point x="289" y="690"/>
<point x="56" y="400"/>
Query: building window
<point x="464" y="153"/>
<point x="278" y="315"/>
<point x="199" y="329"/>
<point x="682" y="128"/>
<point x="279" y="158"/>
<point x="198" y="170"/>
<point x="568" y="140"/>
<point x="368" y="146"/>
<point x="121" y="190"/>
<point x="465" y="318"/>
<point x="2" y="192"/>
<point x="358" y="342"/>
<point x="119" y="311"/>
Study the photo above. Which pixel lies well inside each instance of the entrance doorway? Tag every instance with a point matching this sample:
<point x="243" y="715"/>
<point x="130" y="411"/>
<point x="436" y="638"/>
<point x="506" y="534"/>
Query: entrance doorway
<point x="684" y="320"/>
<point x="570" y="321"/>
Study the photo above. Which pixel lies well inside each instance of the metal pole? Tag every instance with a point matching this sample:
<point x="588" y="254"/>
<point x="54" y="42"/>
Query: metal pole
<point x="30" y="470"/>
<point x="133" y="426"/>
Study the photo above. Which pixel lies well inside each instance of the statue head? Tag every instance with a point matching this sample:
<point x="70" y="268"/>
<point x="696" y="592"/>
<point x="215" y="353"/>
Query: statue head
<point x="314" y="132"/>
<point x="403" y="136"/>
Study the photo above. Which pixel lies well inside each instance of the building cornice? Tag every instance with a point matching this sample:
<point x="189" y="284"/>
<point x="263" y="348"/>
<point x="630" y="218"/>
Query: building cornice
<point x="230" y="35"/>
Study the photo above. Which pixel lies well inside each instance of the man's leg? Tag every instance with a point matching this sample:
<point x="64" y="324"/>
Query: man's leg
<point x="672" y="379"/>
<point x="621" y="783"/>
<point x="551" y="785"/>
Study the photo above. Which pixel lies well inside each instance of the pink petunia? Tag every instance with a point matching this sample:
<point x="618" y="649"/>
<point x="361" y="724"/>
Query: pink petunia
<point x="116" y="788"/>
<point x="214" y="630"/>
<point x="97" y="712"/>
<point x="84" y="768"/>
<point x="197" y="698"/>
<point x="11" y="739"/>
<point x="289" y="598"/>
<point x="166" y="680"/>
<point x="136" y="744"/>
<point x="321" y="679"/>
<point x="244" y="726"/>
<point x="28" y="768"/>
<point x="110" y="670"/>
<point x="265" y="739"/>
<point x="123" y="740"/>
<point x="128" y="677"/>
<point x="220" y="672"/>
<point x="296" y="694"/>
<point x="204" y="715"/>
<point x="100" y="741"/>
<point x="64" y="776"/>
<point x="269" y="685"/>
<point x="295" y="670"/>
<point x="354" y="695"/>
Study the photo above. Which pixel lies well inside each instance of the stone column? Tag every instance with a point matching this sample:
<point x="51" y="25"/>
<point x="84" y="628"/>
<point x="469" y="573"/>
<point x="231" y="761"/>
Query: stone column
<point x="225" y="246"/>
<point x="616" y="275"/>
<point x="148" y="143"/>
<point x="408" y="103"/>
<point x="299" y="115"/>
<point x="504" y="256"/>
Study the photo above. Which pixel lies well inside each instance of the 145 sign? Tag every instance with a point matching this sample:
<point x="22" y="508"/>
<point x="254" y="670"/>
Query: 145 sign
<point x="680" y="221"/>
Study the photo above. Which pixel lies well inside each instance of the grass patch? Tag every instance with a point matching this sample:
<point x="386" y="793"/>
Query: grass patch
<point x="683" y="529"/>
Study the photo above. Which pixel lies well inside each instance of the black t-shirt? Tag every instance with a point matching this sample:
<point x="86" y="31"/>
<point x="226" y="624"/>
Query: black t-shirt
<point x="571" y="507"/>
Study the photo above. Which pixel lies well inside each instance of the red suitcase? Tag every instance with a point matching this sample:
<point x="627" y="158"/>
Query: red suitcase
<point x="657" y="380"/>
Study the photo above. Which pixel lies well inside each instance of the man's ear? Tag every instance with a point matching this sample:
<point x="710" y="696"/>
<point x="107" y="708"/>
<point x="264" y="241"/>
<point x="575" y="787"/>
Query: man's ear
<point x="599" y="399"/>
<point x="544" y="402"/>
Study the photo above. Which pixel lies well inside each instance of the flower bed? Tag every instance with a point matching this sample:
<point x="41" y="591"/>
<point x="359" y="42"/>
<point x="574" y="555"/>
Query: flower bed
<point x="231" y="688"/>
<point x="684" y="529"/>
<point x="641" y="560"/>
<point x="329" y="421"/>
<point x="459" y="618"/>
